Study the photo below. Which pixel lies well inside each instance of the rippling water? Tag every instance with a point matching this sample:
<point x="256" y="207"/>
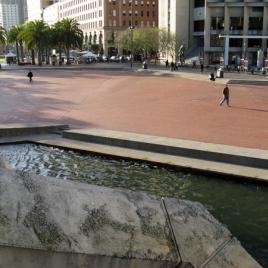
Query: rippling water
<point x="243" y="208"/>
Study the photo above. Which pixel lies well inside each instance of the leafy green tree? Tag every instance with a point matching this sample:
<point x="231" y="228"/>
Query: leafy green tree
<point x="34" y="35"/>
<point x="169" y="43"/>
<point x="145" y="41"/>
<point x="2" y="35"/>
<point x="72" y="36"/>
<point x="14" y="35"/>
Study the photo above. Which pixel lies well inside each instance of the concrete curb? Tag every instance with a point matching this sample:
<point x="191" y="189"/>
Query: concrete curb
<point x="198" y="150"/>
<point x="29" y="129"/>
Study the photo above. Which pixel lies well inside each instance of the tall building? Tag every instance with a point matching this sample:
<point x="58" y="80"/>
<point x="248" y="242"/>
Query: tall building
<point x="203" y="22"/>
<point x="51" y="14"/>
<point x="36" y="8"/>
<point x="102" y="20"/>
<point x="12" y="12"/>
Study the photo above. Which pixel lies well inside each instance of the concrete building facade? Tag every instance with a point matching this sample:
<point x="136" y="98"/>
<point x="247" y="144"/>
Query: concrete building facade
<point x="36" y="8"/>
<point x="51" y="14"/>
<point x="200" y="23"/>
<point x="12" y="12"/>
<point x="102" y="20"/>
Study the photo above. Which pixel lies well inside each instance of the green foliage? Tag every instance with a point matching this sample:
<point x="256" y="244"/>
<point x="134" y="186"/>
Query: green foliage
<point x="68" y="35"/>
<point x="34" y="34"/>
<point x="169" y="42"/>
<point x="14" y="36"/>
<point x="3" y="36"/>
<point x="148" y="41"/>
<point x="140" y="40"/>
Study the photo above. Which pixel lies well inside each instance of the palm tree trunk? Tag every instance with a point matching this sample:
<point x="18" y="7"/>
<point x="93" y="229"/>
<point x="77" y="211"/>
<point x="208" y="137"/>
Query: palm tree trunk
<point x="68" y="55"/>
<point x="60" y="53"/>
<point x="21" y="51"/>
<point x="33" y="57"/>
<point x="18" y="53"/>
<point x="47" y="55"/>
<point x="39" y="56"/>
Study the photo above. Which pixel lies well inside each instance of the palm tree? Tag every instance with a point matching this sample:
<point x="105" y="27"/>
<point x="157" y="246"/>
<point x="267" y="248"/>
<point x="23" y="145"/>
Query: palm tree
<point x="2" y="35"/>
<point x="34" y="34"/>
<point x="58" y="37"/>
<point x="71" y="35"/>
<point x="14" y="36"/>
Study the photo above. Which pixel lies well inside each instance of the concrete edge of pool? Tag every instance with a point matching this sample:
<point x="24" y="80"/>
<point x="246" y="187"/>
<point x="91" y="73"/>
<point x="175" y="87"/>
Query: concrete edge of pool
<point x="245" y="163"/>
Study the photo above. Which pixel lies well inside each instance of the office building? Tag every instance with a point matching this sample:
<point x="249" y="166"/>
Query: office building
<point x="203" y="23"/>
<point x="12" y="12"/>
<point x="102" y="20"/>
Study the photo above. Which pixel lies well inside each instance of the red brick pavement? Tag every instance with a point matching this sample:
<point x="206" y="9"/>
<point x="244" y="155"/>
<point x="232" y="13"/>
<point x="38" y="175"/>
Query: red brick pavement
<point x="142" y="103"/>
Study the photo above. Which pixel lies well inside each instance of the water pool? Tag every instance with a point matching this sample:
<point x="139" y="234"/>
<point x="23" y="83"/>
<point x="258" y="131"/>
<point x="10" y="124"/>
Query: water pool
<point x="243" y="208"/>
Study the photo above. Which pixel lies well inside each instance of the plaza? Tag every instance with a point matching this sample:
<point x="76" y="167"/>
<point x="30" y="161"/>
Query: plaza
<point x="165" y="105"/>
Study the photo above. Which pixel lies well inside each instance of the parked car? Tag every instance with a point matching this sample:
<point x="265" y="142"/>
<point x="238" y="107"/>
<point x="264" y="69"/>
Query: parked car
<point x="114" y="59"/>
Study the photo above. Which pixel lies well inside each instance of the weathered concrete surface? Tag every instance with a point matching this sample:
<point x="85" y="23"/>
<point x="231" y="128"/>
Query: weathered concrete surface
<point x="60" y="217"/>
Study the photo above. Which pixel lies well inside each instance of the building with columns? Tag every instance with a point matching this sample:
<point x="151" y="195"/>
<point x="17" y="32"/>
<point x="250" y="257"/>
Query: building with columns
<point x="200" y="23"/>
<point x="102" y="20"/>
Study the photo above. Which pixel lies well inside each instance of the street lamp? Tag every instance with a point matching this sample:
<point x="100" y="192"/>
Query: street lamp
<point x="131" y="29"/>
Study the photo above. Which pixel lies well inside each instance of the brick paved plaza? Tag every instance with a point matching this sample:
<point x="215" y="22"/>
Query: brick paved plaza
<point x="138" y="102"/>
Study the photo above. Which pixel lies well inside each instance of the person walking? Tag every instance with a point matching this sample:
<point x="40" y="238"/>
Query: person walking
<point x="30" y="75"/>
<point x="167" y="64"/>
<point x="212" y="77"/>
<point x="226" y="95"/>
<point x="202" y="67"/>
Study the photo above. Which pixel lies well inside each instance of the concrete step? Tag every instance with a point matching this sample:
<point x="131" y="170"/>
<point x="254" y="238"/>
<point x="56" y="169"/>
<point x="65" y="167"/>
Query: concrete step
<point x="19" y="129"/>
<point x="254" y="158"/>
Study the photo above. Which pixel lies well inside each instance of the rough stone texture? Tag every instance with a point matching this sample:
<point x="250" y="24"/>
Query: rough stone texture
<point x="68" y="217"/>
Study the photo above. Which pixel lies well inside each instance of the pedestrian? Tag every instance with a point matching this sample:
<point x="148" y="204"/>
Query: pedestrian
<point x="172" y="66"/>
<point x="167" y="64"/>
<point x="176" y="66"/>
<point x="30" y="75"/>
<point x="202" y="67"/>
<point x="212" y="77"/>
<point x="226" y="95"/>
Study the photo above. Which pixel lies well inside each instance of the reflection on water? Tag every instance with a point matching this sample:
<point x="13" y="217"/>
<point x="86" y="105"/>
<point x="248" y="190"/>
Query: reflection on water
<point x="242" y="208"/>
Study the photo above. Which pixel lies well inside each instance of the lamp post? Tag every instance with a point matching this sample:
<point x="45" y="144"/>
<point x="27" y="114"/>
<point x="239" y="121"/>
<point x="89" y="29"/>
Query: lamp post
<point x="131" y="29"/>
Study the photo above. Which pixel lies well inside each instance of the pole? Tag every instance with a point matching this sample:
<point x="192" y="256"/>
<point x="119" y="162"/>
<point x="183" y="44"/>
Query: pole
<point x="226" y="52"/>
<point x="131" y="29"/>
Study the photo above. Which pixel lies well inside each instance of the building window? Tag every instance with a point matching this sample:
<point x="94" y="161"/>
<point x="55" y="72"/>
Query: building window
<point x="199" y="3"/>
<point x="215" y="41"/>
<point x="199" y="26"/>
<point x="217" y="23"/>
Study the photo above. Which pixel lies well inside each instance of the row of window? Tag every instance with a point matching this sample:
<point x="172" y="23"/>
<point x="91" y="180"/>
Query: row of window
<point x="82" y="8"/>
<point x="215" y="41"/>
<point x="236" y="23"/>
<point x="136" y="13"/>
<point x="113" y="23"/>
<point x="91" y="25"/>
<point x="91" y="15"/>
<point x="135" y="3"/>
<point x="71" y="3"/>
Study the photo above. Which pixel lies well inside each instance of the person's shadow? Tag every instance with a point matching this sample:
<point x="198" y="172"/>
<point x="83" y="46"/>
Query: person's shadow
<point x="250" y="109"/>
